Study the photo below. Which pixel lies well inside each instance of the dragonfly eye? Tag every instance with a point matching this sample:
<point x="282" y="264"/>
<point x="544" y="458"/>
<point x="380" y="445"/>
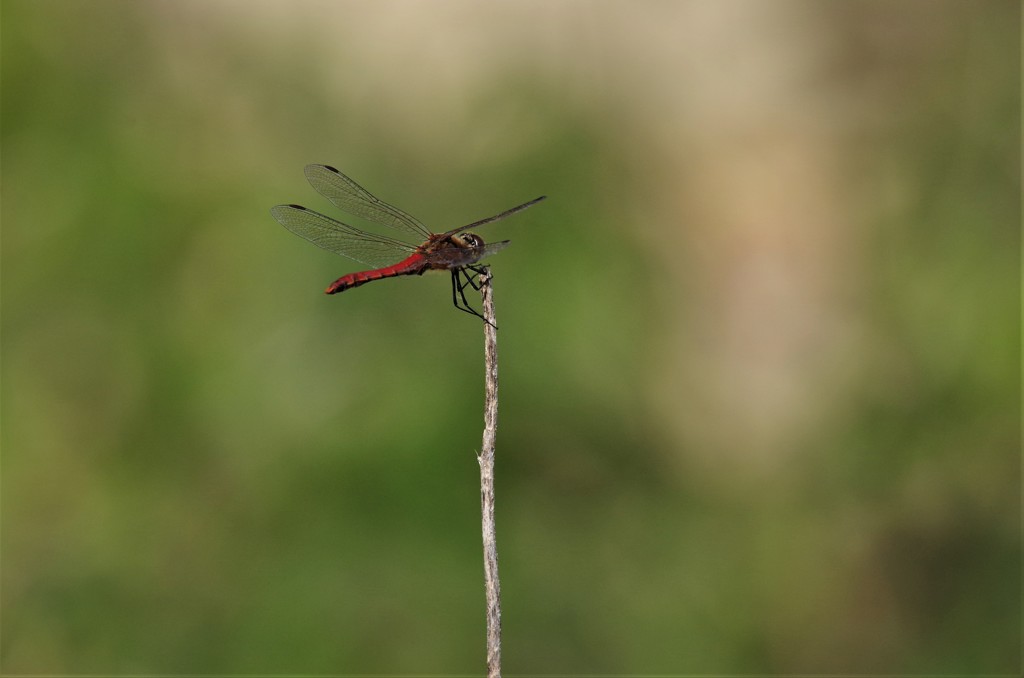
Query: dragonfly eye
<point x="473" y="240"/>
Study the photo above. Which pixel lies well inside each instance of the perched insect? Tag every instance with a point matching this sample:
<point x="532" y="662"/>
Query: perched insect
<point x="456" y="250"/>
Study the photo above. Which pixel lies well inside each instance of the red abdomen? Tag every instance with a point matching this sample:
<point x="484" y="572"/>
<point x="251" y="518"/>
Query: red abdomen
<point x="413" y="265"/>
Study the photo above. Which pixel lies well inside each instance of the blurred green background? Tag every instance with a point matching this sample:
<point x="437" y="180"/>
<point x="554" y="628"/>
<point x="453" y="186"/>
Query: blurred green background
<point x="760" y="349"/>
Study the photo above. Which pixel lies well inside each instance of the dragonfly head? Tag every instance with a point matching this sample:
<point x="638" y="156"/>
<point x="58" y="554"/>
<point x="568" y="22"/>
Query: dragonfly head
<point x="468" y="240"/>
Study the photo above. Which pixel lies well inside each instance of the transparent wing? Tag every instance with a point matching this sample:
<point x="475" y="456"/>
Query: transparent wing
<point x="490" y="248"/>
<point x="372" y="250"/>
<point x="354" y="199"/>
<point x="497" y="217"/>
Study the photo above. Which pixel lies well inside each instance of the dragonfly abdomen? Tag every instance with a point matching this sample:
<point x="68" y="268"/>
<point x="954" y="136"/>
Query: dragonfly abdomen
<point x="414" y="265"/>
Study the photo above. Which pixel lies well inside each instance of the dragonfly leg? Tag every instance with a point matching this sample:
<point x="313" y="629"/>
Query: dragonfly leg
<point x="458" y="293"/>
<point x="468" y="281"/>
<point x="471" y="279"/>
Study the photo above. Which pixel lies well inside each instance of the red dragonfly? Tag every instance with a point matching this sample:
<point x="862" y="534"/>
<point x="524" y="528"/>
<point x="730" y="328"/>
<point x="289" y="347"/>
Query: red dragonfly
<point x="456" y="250"/>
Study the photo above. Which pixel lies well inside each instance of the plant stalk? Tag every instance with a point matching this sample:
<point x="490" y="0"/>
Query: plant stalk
<point x="486" y="461"/>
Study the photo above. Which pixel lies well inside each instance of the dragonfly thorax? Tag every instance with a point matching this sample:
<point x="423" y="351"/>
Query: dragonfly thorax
<point x="454" y="251"/>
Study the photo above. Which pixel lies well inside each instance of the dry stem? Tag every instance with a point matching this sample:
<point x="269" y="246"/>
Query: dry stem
<point x="486" y="460"/>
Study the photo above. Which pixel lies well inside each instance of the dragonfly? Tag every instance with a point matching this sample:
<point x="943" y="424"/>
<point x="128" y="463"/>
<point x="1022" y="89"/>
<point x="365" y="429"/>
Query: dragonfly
<point x="457" y="250"/>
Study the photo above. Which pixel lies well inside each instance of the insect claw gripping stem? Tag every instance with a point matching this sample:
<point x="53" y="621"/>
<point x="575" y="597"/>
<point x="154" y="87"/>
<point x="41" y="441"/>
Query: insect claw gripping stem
<point x="471" y="279"/>
<point x="458" y="292"/>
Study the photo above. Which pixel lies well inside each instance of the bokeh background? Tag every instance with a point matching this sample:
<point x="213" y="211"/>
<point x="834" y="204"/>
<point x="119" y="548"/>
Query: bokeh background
<point x="760" y="349"/>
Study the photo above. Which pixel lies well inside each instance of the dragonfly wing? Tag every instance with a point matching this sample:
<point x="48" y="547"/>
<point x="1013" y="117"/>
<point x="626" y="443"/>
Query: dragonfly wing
<point x="490" y="248"/>
<point x="354" y="199"/>
<point x="371" y="250"/>
<point x="497" y="217"/>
